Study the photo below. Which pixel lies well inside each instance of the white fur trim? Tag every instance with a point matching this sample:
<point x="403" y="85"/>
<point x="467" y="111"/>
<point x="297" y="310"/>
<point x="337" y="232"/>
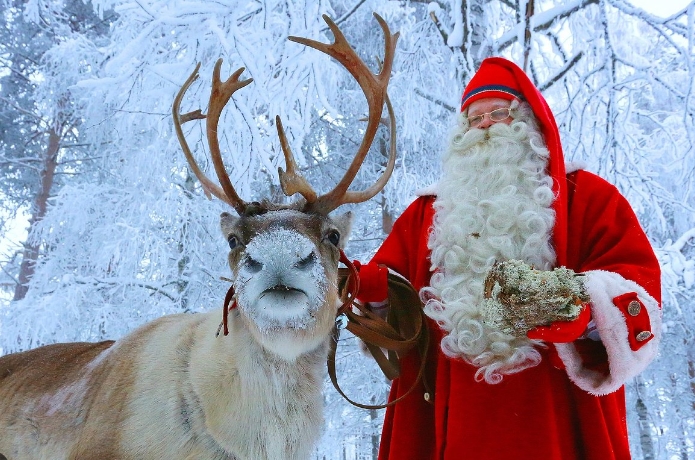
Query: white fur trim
<point x="427" y="191"/>
<point x="572" y="166"/>
<point x="623" y="362"/>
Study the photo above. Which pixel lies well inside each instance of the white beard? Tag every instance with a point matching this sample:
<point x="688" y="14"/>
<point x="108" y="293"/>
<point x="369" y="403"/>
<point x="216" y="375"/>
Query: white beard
<point x="493" y="204"/>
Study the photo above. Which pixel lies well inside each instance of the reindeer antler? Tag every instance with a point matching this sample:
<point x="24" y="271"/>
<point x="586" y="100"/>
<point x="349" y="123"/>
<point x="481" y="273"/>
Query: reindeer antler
<point x="374" y="87"/>
<point x="292" y="181"/>
<point x="219" y="97"/>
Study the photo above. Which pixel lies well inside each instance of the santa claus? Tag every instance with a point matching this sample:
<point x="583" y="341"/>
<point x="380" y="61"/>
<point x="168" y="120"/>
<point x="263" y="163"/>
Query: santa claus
<point x="555" y="390"/>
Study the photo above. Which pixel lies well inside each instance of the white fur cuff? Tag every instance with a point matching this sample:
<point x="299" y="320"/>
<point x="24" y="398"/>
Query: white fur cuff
<point x="628" y="321"/>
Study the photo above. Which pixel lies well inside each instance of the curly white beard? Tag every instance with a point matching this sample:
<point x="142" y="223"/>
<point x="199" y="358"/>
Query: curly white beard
<point x="493" y="204"/>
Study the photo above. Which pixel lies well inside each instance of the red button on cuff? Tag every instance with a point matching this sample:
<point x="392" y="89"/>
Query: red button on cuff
<point x="639" y="329"/>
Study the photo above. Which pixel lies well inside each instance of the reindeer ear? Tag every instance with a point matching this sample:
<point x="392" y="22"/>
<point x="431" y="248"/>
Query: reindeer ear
<point x="228" y="222"/>
<point x="344" y="224"/>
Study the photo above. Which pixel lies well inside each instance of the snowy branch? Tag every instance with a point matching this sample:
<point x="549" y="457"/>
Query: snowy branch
<point x="562" y="72"/>
<point x="436" y="101"/>
<point x="542" y="21"/>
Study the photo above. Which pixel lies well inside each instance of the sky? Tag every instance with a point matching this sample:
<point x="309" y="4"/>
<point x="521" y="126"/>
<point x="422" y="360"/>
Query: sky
<point x="662" y="7"/>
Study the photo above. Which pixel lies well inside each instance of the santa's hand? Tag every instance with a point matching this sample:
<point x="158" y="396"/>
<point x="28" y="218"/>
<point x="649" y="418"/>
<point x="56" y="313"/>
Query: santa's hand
<point x="373" y="286"/>
<point x="562" y="331"/>
<point x="518" y="298"/>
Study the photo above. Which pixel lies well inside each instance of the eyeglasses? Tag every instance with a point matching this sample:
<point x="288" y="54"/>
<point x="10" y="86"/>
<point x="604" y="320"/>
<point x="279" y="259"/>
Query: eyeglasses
<point x="496" y="115"/>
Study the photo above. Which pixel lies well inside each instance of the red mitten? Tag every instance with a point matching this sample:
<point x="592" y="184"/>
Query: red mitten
<point x="562" y="331"/>
<point x="373" y="282"/>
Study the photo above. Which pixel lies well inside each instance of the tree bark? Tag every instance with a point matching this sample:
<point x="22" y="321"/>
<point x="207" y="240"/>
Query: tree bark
<point x="530" y="9"/>
<point x="386" y="213"/>
<point x="645" y="439"/>
<point x="374" y="415"/>
<point x="30" y="254"/>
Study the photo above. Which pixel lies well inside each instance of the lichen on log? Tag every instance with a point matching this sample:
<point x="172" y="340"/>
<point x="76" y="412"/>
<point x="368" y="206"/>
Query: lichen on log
<point x="518" y="297"/>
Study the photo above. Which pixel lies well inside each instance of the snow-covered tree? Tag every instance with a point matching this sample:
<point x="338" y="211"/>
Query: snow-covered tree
<point x="40" y="144"/>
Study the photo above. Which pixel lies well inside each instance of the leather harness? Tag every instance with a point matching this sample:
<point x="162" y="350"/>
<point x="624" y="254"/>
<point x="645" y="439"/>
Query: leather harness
<point x="404" y="329"/>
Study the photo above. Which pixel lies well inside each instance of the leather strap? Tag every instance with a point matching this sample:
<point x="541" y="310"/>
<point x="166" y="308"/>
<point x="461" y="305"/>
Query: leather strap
<point x="405" y="328"/>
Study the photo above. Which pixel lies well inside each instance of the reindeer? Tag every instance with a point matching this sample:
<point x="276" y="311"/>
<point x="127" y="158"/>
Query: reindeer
<point x="173" y="388"/>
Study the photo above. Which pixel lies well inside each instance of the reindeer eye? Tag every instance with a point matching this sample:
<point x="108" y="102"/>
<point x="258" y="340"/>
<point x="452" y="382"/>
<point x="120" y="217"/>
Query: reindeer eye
<point x="233" y="241"/>
<point x="334" y="237"/>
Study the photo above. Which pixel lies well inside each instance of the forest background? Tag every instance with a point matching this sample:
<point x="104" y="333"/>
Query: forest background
<point x="103" y="227"/>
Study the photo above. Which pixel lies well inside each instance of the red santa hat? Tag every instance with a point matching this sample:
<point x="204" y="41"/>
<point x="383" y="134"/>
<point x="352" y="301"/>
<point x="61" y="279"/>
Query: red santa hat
<point x="491" y="80"/>
<point x="499" y="77"/>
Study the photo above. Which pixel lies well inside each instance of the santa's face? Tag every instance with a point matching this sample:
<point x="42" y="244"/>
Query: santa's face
<point x="485" y="112"/>
<point x="493" y="203"/>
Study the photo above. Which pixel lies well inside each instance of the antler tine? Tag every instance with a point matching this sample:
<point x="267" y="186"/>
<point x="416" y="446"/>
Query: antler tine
<point x="292" y="181"/>
<point x="360" y="197"/>
<point x="179" y="119"/>
<point x="374" y="88"/>
<point x="219" y="97"/>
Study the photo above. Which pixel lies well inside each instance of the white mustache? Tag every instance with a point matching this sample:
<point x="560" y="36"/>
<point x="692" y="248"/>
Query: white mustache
<point x="515" y="131"/>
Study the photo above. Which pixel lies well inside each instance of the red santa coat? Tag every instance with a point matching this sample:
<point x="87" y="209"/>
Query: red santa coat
<point x="570" y="406"/>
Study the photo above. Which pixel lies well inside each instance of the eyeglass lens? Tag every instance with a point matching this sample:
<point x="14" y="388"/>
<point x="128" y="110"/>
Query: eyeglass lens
<point x="500" y="114"/>
<point x="495" y="115"/>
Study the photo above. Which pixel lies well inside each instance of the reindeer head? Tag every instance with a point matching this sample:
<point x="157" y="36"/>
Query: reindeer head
<point x="285" y="257"/>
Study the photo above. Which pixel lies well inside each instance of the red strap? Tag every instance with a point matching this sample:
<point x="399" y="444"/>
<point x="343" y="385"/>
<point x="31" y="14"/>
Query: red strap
<point x="225" y="309"/>
<point x="353" y="286"/>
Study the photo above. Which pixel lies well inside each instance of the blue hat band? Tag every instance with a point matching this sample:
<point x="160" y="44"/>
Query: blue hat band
<point x="497" y="88"/>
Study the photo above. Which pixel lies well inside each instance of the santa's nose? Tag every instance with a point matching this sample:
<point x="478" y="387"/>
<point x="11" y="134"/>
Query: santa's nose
<point x="487" y="122"/>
